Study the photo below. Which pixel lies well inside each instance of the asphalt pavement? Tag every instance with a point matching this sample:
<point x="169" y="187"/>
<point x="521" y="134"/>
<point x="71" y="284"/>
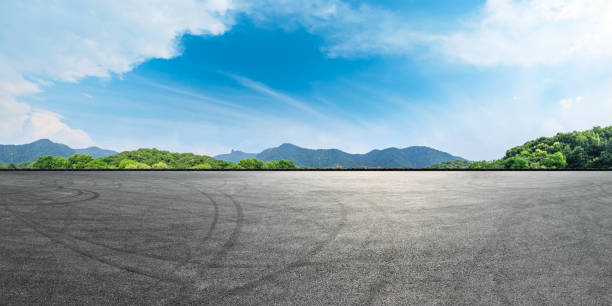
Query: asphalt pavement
<point x="309" y="238"/>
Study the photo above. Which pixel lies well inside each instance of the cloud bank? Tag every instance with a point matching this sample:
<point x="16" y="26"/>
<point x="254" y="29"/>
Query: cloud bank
<point x="44" y="42"/>
<point x="534" y="32"/>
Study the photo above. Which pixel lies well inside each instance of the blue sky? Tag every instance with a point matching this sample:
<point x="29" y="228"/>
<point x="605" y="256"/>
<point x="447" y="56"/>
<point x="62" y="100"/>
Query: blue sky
<point x="472" y="78"/>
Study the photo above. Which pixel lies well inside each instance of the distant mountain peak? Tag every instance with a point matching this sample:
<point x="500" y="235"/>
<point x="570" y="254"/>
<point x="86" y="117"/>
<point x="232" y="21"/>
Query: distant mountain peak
<point x="31" y="151"/>
<point x="288" y="145"/>
<point x="409" y="157"/>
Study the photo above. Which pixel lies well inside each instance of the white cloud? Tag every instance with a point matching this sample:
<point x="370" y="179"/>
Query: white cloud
<point x="523" y="33"/>
<point x="48" y="42"/>
<point x="349" y="31"/>
<point x="19" y="123"/>
<point x="71" y="40"/>
<point x="43" y="124"/>
<point x="534" y="32"/>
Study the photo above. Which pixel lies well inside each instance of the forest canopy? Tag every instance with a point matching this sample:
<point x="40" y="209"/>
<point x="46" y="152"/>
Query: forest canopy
<point x="576" y="150"/>
<point x="153" y="159"/>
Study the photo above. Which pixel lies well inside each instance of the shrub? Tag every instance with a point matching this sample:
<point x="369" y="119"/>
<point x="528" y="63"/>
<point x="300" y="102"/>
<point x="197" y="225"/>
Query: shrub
<point x="43" y="162"/>
<point x="271" y="165"/>
<point x="516" y="163"/>
<point x="286" y="164"/>
<point x="202" y="166"/>
<point x="79" y="161"/>
<point x="556" y="160"/>
<point x="96" y="164"/>
<point x="131" y="164"/>
<point x="160" y="165"/>
<point x="230" y="165"/>
<point x="251" y="163"/>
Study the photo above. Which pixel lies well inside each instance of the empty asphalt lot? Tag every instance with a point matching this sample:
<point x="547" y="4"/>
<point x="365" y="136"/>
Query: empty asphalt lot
<point x="306" y="238"/>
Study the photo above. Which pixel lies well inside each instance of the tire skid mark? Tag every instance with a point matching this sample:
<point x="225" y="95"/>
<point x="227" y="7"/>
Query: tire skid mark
<point x="69" y="215"/>
<point x="63" y="237"/>
<point x="215" y="205"/>
<point x="38" y="229"/>
<point x="117" y="186"/>
<point x="94" y="195"/>
<point x="125" y="251"/>
<point x="213" y="224"/>
<point x="31" y="197"/>
<point x="69" y="219"/>
<point x="385" y="268"/>
<point x="233" y="239"/>
<point x="221" y="253"/>
<point x="211" y="228"/>
<point x="300" y="262"/>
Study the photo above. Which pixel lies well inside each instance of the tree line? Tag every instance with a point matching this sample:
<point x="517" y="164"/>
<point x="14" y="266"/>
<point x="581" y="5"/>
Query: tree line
<point x="153" y="159"/>
<point x="576" y="150"/>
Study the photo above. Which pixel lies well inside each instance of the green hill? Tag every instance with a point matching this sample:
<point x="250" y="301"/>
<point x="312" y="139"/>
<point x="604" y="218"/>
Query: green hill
<point x="586" y="149"/>
<point x="591" y="149"/>
<point x="152" y="159"/>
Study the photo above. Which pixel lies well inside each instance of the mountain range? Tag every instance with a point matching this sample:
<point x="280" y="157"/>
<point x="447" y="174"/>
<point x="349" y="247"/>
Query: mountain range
<point x="410" y="157"/>
<point x="30" y="152"/>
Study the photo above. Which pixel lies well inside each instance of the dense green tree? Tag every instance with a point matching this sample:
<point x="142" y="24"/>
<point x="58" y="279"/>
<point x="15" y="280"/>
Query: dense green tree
<point x="156" y="158"/>
<point x="79" y="161"/>
<point x="173" y="160"/>
<point x="251" y="163"/>
<point x="516" y="163"/>
<point x="453" y="164"/>
<point x="286" y="164"/>
<point x="229" y="165"/>
<point x="202" y="166"/>
<point x="51" y="162"/>
<point x="481" y="164"/>
<point x="60" y="163"/>
<point x="96" y="164"/>
<point x="160" y="165"/>
<point x="11" y="166"/>
<point x="271" y="165"/>
<point x="602" y="161"/>
<point x="577" y="158"/>
<point x="586" y="149"/>
<point x="556" y="160"/>
<point x="43" y="162"/>
<point x="132" y="164"/>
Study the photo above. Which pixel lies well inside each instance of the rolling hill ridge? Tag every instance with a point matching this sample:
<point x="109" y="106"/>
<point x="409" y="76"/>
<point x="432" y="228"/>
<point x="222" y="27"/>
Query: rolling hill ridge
<point x="30" y="152"/>
<point x="410" y="157"/>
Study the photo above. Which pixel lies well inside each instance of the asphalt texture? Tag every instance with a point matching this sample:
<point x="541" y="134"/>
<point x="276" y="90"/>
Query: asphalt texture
<point x="311" y="238"/>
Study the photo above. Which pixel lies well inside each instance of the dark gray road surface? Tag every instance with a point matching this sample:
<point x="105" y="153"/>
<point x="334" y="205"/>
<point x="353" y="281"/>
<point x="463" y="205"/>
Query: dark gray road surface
<point x="313" y="238"/>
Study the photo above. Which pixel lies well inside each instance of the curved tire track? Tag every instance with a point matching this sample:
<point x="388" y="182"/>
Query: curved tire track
<point x="300" y="262"/>
<point x="38" y="229"/>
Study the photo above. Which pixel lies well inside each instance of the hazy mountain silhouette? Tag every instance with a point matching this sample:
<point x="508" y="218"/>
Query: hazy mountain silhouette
<point x="31" y="151"/>
<point x="235" y="156"/>
<point x="410" y="157"/>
